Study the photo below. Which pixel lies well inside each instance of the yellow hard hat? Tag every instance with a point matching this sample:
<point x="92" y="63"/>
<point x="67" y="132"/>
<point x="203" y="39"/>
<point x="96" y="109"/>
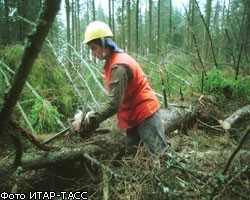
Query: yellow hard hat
<point x="95" y="30"/>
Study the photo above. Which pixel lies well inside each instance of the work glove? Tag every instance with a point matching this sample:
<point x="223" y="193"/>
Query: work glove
<point x="89" y="118"/>
<point x="77" y="121"/>
<point x="84" y="124"/>
<point x="89" y="124"/>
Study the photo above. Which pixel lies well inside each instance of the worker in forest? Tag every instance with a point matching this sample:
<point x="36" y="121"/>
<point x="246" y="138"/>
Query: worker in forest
<point x="129" y="95"/>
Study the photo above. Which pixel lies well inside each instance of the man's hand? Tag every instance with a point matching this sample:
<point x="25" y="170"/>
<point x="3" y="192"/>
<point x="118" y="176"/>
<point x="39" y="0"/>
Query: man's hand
<point x="89" y="119"/>
<point x="89" y="124"/>
<point x="76" y="124"/>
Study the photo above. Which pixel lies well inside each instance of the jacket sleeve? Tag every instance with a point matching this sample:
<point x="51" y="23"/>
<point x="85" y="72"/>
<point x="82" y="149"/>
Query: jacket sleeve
<point x="119" y="78"/>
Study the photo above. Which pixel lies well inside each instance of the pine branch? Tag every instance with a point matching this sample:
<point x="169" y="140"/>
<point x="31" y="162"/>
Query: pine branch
<point x="33" y="46"/>
<point x="35" y="93"/>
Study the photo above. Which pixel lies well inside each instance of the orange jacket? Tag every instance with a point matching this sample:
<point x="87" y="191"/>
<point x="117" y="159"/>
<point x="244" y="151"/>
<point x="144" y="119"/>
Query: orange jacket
<point x="139" y="100"/>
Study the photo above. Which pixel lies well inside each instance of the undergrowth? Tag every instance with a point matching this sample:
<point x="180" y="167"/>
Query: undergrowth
<point x="224" y="86"/>
<point x="43" y="116"/>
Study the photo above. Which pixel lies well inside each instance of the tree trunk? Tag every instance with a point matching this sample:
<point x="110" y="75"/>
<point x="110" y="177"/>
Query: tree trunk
<point x="93" y="9"/>
<point x="73" y="30"/>
<point x="137" y="27"/>
<point x="170" y="21"/>
<point x="206" y="36"/>
<point x="68" y="28"/>
<point x="7" y="24"/>
<point x="150" y="27"/>
<point x="113" y="18"/>
<point x="110" y="15"/>
<point x="159" y="28"/>
<point x="78" y="32"/>
<point x="123" y="24"/>
<point x="236" y="117"/>
<point x="128" y="26"/>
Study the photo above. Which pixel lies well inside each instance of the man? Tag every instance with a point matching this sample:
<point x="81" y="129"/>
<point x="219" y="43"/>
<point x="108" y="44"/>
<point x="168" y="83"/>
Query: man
<point x="129" y="95"/>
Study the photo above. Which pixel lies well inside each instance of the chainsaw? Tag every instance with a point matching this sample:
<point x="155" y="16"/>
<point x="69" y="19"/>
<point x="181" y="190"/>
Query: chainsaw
<point x="85" y="131"/>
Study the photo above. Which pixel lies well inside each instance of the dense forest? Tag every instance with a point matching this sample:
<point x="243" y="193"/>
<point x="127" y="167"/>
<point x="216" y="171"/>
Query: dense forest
<point x="189" y="51"/>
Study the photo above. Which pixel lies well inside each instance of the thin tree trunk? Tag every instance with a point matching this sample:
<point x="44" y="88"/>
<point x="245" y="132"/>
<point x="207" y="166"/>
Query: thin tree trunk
<point x="170" y="21"/>
<point x="159" y="28"/>
<point x="113" y="18"/>
<point x="123" y="24"/>
<point x="129" y="25"/>
<point x="78" y="27"/>
<point x="137" y="27"/>
<point x="68" y="28"/>
<point x="150" y="27"/>
<point x="206" y="32"/>
<point x="73" y="24"/>
<point x="7" y="24"/>
<point x="221" y="34"/>
<point x="93" y="10"/>
<point x="110" y="15"/>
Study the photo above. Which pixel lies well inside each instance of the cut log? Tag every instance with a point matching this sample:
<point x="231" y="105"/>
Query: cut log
<point x="237" y="116"/>
<point x="181" y="117"/>
<point x="178" y="118"/>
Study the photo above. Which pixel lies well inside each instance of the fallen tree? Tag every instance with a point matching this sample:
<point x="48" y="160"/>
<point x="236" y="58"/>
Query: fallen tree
<point x="236" y="117"/>
<point x="175" y="117"/>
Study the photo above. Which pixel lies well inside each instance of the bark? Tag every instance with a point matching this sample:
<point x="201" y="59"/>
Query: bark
<point x="236" y="117"/>
<point x="183" y="117"/>
<point x="179" y="118"/>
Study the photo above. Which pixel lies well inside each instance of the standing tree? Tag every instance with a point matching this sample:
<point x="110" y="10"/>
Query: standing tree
<point x="206" y="32"/>
<point x="73" y="19"/>
<point x="150" y="26"/>
<point x="137" y="27"/>
<point x="93" y="10"/>
<point x="128" y="25"/>
<point x="170" y="21"/>
<point x="123" y="24"/>
<point x="67" y="8"/>
<point x="78" y="27"/>
<point x="6" y="39"/>
<point x="159" y="28"/>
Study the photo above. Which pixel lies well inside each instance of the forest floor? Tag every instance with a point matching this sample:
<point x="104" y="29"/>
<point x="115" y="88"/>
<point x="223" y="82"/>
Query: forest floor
<point x="193" y="168"/>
